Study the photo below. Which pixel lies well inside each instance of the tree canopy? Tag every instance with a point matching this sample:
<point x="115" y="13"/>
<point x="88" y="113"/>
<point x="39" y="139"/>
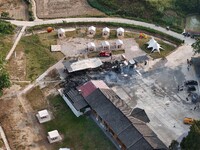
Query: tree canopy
<point x="192" y="141"/>
<point x="6" y="27"/>
<point x="196" y="46"/>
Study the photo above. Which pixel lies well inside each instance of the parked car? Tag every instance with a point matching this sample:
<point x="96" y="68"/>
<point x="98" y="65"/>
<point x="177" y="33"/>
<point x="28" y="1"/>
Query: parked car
<point x="191" y="82"/>
<point x="191" y="88"/>
<point x="105" y="54"/>
<point x="187" y="120"/>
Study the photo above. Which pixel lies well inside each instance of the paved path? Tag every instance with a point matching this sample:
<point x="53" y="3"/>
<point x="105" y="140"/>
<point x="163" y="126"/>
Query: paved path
<point x="15" y="43"/>
<point x="116" y="20"/>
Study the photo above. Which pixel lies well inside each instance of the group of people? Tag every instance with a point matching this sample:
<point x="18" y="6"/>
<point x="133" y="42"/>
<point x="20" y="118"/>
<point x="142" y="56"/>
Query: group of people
<point x="189" y="62"/>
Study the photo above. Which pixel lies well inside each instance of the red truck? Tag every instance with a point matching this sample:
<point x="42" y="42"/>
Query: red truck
<point x="105" y="54"/>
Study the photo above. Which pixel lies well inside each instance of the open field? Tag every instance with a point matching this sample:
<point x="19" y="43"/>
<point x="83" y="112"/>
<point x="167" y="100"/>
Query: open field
<point x="36" y="55"/>
<point x="17" y="9"/>
<point x="63" y="8"/>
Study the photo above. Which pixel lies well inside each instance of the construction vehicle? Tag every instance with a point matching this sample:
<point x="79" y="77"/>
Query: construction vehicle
<point x="105" y="54"/>
<point x="187" y="120"/>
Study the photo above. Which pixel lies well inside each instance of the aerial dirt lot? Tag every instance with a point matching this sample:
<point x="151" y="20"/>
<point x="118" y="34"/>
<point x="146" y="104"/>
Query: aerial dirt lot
<point x="65" y="8"/>
<point x="17" y="9"/>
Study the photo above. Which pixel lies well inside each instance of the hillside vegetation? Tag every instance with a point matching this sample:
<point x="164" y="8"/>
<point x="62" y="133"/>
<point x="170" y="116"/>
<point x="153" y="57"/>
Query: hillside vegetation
<point x="166" y="12"/>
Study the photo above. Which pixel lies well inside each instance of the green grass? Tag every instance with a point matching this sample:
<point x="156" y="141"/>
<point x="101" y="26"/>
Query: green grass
<point x="163" y="53"/>
<point x="38" y="55"/>
<point x="5" y="45"/>
<point x="79" y="133"/>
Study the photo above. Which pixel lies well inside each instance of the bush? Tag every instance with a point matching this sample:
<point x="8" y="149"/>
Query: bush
<point x="6" y="27"/>
<point x="5" y="14"/>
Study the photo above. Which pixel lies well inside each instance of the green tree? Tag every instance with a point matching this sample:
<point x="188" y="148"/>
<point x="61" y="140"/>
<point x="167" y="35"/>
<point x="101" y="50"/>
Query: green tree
<point x="192" y="141"/>
<point x="196" y="46"/>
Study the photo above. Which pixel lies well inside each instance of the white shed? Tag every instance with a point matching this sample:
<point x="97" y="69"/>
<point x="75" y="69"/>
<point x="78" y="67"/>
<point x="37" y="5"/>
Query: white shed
<point x="54" y="136"/>
<point x="120" y="32"/>
<point x="105" y="45"/>
<point x="92" y="30"/>
<point x="91" y="46"/>
<point x="119" y="44"/>
<point x="61" y="33"/>
<point x="43" y="116"/>
<point x="106" y="32"/>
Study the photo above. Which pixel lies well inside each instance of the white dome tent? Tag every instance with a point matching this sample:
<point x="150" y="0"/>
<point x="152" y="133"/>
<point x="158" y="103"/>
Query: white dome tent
<point x="91" y="46"/>
<point x="120" y="32"/>
<point x="92" y="30"/>
<point x="61" y="33"/>
<point x="106" y="31"/>
<point x="154" y="45"/>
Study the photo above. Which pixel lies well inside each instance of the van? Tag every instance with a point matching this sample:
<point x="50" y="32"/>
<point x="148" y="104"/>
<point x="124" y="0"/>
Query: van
<point x="188" y="120"/>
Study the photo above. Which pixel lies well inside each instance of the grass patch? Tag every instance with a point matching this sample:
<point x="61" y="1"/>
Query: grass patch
<point x="5" y="44"/>
<point x="1" y="143"/>
<point x="163" y="53"/>
<point x="38" y="55"/>
<point x="79" y="133"/>
<point x="36" y="99"/>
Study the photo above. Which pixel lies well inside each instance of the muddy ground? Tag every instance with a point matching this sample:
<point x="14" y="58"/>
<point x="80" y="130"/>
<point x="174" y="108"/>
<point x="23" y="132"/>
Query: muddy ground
<point x="17" y="9"/>
<point x="65" y="8"/>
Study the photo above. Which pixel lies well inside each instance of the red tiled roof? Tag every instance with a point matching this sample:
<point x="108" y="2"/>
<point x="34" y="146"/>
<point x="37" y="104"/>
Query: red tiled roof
<point x="87" y="88"/>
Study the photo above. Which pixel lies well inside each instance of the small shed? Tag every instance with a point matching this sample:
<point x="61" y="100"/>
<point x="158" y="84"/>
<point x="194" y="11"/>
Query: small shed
<point x="91" y="30"/>
<point x="91" y="46"/>
<point x="105" y="45"/>
<point x="105" y="32"/>
<point x="54" y="136"/>
<point x="119" y="44"/>
<point x="120" y="32"/>
<point x="61" y="33"/>
<point x="43" y="116"/>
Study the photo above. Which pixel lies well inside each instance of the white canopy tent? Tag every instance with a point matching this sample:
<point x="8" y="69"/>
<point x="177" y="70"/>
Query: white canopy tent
<point x="119" y="43"/>
<point x="91" y="46"/>
<point x="61" y="33"/>
<point x="106" y="31"/>
<point x="154" y="45"/>
<point x="120" y="32"/>
<point x="92" y="30"/>
<point x="105" y="45"/>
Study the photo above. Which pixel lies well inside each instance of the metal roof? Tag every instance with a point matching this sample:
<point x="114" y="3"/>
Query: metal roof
<point x="82" y="64"/>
